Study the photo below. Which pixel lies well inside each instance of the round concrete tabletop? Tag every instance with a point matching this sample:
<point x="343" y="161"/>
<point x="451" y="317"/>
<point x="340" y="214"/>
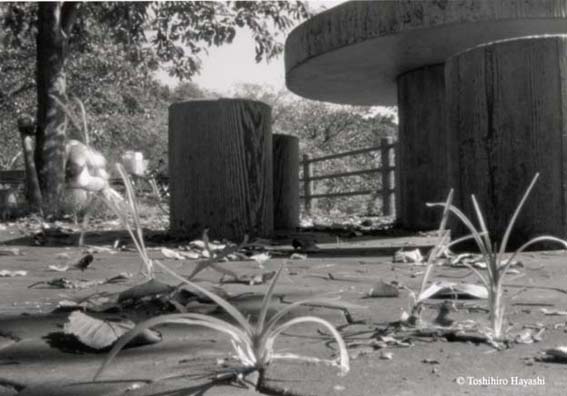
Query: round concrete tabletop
<point x="354" y="52"/>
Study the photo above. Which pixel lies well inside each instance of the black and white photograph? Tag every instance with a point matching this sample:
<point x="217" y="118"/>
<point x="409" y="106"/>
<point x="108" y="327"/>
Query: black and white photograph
<point x="284" y="198"/>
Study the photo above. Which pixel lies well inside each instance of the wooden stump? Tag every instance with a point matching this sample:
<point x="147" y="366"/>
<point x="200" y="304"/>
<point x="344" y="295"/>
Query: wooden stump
<point x="286" y="182"/>
<point x="507" y="120"/>
<point x="422" y="157"/>
<point x="220" y="159"/>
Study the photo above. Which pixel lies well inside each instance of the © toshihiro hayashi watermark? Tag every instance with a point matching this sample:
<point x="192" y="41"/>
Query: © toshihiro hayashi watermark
<point x="501" y="381"/>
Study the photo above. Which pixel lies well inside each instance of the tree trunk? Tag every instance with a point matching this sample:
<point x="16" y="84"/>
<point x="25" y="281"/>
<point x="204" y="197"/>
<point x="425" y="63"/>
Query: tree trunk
<point x="286" y="182"/>
<point x="54" y="23"/>
<point x="220" y="158"/>
<point x="33" y="191"/>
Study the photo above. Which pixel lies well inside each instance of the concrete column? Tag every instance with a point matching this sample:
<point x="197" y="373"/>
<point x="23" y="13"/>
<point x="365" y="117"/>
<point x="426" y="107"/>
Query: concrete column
<point x="220" y="159"/>
<point x="422" y="157"/>
<point x="507" y="120"/>
<point x="286" y="182"/>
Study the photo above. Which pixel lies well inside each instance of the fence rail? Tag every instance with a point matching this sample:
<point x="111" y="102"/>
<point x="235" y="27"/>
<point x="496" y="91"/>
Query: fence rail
<point x="385" y="170"/>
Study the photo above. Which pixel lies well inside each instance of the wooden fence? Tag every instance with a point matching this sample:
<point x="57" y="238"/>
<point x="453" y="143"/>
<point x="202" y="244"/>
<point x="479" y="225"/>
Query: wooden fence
<point x="385" y="170"/>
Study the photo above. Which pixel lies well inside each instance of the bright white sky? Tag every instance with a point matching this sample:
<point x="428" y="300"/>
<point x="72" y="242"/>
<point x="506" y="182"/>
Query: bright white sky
<point x="233" y="64"/>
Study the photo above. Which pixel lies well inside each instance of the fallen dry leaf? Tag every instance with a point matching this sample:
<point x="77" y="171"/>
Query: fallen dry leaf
<point x="305" y="244"/>
<point x="197" y="244"/>
<point x="383" y="289"/>
<point x="5" y="251"/>
<point x="411" y="256"/>
<point x="84" y="262"/>
<point x="261" y="258"/>
<point x="171" y="254"/>
<point x="100" y="334"/>
<point x="58" y="268"/>
<point x="11" y="274"/>
<point x="65" y="283"/>
<point x="557" y="354"/>
<point x="445" y="289"/>
<point x="253" y="279"/>
<point x="553" y="312"/>
<point x="190" y="255"/>
<point x="298" y="256"/>
<point x="100" y="249"/>
<point x="151" y="288"/>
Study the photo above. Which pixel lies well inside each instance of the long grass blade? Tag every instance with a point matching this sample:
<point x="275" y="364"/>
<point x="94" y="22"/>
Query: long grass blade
<point x="467" y="223"/>
<point x="445" y="215"/>
<point x="266" y="301"/>
<point x="435" y="253"/>
<point x="133" y="202"/>
<point x="462" y="239"/>
<point x="216" y="257"/>
<point x="544" y="238"/>
<point x="482" y="223"/>
<point x="343" y="360"/>
<point x="327" y="302"/>
<point x="124" y="219"/>
<point x="483" y="279"/>
<point x="440" y="246"/>
<point x="309" y="359"/>
<point x="228" y="307"/>
<point x="491" y="258"/>
<point x="189" y="319"/>
<point x="514" y="217"/>
<point x="84" y="118"/>
<point x="69" y="114"/>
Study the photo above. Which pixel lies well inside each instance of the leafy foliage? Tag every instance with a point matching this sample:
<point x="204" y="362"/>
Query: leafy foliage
<point x="109" y="54"/>
<point x="171" y="33"/>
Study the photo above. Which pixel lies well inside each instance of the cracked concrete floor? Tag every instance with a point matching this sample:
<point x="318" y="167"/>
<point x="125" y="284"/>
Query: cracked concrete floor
<point x="32" y="364"/>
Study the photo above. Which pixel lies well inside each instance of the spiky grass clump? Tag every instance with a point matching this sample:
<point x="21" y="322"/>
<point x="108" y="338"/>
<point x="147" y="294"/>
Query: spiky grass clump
<point x="128" y="212"/>
<point x="497" y="263"/>
<point x="438" y="249"/>
<point x="253" y="343"/>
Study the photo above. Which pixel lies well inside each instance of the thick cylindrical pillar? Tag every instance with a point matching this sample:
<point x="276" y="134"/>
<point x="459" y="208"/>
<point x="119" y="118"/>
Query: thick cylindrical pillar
<point x="286" y="182"/>
<point x="220" y="159"/>
<point x="422" y="157"/>
<point x="507" y="119"/>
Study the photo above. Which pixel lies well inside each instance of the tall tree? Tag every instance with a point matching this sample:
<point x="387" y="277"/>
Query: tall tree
<point x="54" y="26"/>
<point x="151" y="35"/>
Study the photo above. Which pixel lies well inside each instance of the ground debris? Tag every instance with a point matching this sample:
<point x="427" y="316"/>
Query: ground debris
<point x="101" y="334"/>
<point x="556" y="355"/>
<point x="66" y="283"/>
<point x="12" y="274"/>
<point x="553" y="312"/>
<point x="445" y="289"/>
<point x="411" y="256"/>
<point x="252" y="279"/>
<point x="383" y="289"/>
<point x="7" y="251"/>
<point x="171" y="254"/>
<point x="149" y="289"/>
<point x="84" y="262"/>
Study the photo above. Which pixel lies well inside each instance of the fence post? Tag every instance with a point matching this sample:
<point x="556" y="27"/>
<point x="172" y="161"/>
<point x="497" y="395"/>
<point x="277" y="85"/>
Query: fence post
<point x="307" y="183"/>
<point x="386" y="172"/>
